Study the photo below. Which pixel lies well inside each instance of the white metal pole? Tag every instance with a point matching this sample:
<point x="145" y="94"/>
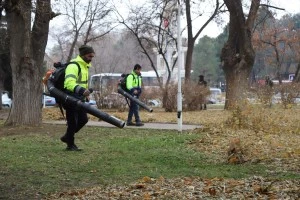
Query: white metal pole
<point x="179" y="61"/>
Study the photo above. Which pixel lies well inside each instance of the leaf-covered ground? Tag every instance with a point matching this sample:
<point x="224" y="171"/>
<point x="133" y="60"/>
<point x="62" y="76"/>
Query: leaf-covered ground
<point x="191" y="188"/>
<point x="267" y="136"/>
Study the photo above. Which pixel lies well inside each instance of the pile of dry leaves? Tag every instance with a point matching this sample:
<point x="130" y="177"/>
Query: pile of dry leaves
<point x="191" y="188"/>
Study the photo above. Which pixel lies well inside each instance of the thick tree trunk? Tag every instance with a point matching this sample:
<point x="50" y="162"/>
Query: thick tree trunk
<point x="188" y="62"/>
<point x="238" y="54"/>
<point x="27" y="53"/>
<point x="237" y="80"/>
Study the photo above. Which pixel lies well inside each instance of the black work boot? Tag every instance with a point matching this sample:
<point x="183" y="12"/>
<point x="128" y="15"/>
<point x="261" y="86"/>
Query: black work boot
<point x="73" y="148"/>
<point x="139" y="124"/>
<point x="130" y="124"/>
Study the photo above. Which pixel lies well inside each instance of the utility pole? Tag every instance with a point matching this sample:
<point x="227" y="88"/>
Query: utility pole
<point x="179" y="53"/>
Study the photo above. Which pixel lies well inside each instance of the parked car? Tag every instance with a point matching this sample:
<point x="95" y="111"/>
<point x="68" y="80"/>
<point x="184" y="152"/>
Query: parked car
<point x="6" y="101"/>
<point x="154" y="102"/>
<point x="215" y="96"/>
<point x="91" y="102"/>
<point x="49" y="101"/>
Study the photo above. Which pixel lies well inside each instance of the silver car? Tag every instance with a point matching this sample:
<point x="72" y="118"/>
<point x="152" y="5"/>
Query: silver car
<point x="6" y="101"/>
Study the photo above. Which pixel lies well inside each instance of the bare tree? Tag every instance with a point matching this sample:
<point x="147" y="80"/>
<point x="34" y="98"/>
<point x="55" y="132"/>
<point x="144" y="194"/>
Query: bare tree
<point x="151" y="31"/>
<point x="27" y="49"/>
<point x="237" y="54"/>
<point x="117" y="53"/>
<point x="294" y="44"/>
<point x="147" y="27"/>
<point x="274" y="39"/>
<point x="86" y="22"/>
<point x="192" y="38"/>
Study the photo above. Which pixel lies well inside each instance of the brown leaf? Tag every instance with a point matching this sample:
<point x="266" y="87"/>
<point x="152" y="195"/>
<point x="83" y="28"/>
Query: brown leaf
<point x="146" y="196"/>
<point x="212" y="191"/>
<point x="257" y="188"/>
<point x="146" y="179"/>
<point x="188" y="181"/>
<point x="139" y="186"/>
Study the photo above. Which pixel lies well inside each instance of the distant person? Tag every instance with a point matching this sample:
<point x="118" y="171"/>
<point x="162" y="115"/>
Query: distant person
<point x="202" y="83"/>
<point x="268" y="81"/>
<point x="134" y="86"/>
<point x="77" y="85"/>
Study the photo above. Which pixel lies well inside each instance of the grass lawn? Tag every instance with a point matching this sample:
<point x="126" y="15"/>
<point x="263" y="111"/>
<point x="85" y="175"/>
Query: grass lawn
<point x="34" y="163"/>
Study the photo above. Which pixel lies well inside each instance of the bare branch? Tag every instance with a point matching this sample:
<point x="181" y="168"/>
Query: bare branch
<point x="269" y="6"/>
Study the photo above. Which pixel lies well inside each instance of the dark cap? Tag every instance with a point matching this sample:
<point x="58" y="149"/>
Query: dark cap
<point x="137" y="66"/>
<point x="201" y="76"/>
<point x="85" y="49"/>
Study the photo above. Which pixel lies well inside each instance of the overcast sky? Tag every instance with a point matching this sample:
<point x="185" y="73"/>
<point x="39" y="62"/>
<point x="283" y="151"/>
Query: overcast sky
<point x="291" y="6"/>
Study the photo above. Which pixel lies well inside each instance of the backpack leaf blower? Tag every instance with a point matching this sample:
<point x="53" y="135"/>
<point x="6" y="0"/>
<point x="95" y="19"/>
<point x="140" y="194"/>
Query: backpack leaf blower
<point x="68" y="99"/>
<point x="127" y="95"/>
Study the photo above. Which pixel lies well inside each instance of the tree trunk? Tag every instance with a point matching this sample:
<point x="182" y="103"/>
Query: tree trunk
<point x="191" y="42"/>
<point x="237" y="54"/>
<point x="27" y="49"/>
<point x="191" y="39"/>
<point x="71" y="52"/>
<point x="0" y="99"/>
<point x="297" y="74"/>
<point x="237" y="80"/>
<point x="189" y="59"/>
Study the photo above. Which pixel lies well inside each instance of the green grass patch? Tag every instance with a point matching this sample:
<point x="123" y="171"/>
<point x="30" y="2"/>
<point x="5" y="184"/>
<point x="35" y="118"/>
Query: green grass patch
<point x="35" y="163"/>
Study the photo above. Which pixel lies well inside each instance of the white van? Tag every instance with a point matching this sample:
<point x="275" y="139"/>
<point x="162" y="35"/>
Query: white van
<point x="6" y="101"/>
<point x="215" y="96"/>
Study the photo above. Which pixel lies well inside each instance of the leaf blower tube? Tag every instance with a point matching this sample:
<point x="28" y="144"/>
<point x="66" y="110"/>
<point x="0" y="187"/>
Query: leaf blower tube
<point x="127" y="95"/>
<point x="63" y="97"/>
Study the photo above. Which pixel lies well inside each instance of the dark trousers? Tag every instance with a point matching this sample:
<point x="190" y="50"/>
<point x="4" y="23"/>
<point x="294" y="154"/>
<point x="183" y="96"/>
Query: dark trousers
<point x="76" y="119"/>
<point x="204" y="106"/>
<point x="133" y="110"/>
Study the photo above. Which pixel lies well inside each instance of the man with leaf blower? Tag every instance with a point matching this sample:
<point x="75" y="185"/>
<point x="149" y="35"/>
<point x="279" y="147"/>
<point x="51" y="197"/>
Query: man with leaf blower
<point x="134" y="86"/>
<point x="76" y="85"/>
